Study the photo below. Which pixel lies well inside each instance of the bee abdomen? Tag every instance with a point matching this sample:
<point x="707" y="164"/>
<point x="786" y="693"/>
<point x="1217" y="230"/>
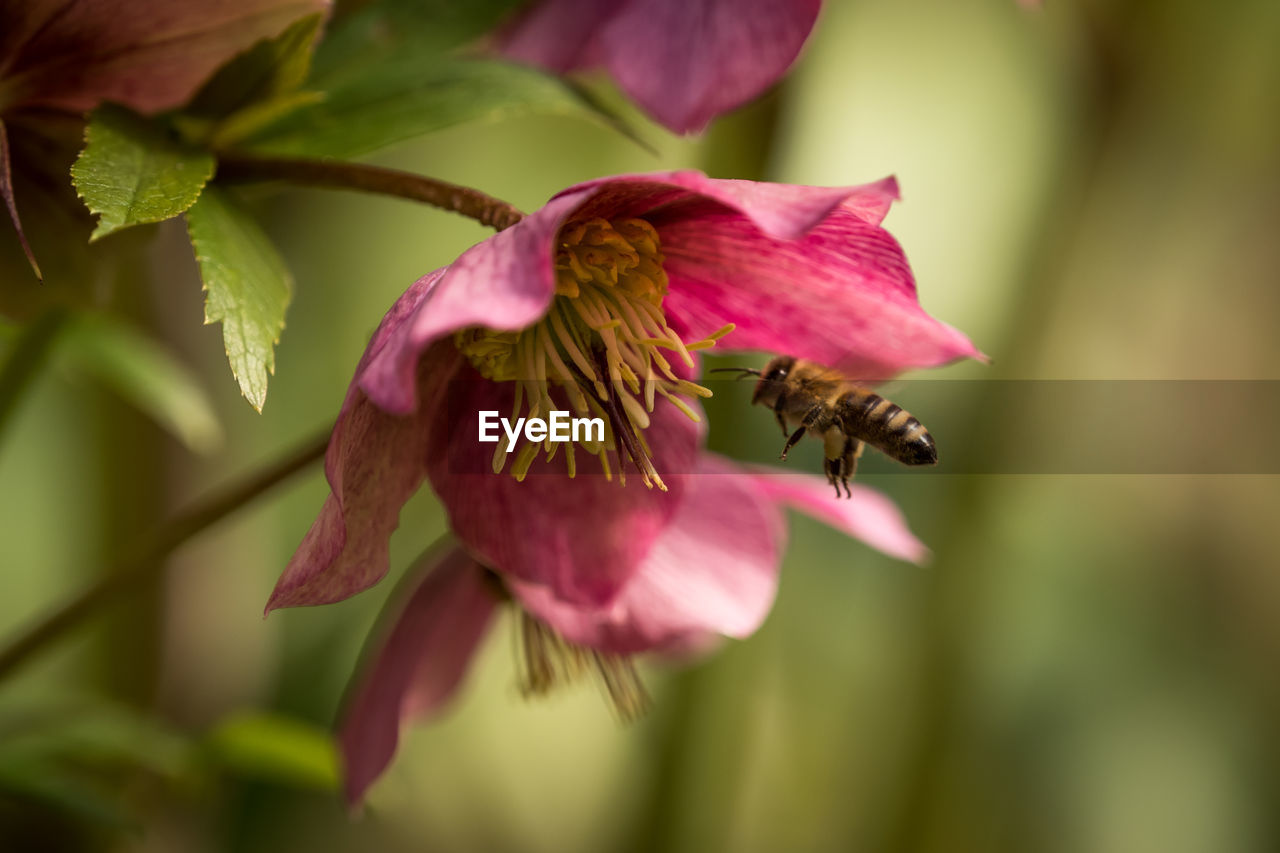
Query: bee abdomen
<point x="886" y="426"/>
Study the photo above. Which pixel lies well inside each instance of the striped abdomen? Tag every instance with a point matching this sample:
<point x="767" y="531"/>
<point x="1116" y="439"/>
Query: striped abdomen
<point x="885" y="426"/>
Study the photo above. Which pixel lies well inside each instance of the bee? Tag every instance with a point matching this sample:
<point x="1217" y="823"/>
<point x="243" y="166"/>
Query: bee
<point x="827" y="405"/>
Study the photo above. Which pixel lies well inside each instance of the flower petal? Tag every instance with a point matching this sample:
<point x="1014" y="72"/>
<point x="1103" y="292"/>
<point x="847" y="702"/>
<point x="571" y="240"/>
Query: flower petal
<point x="784" y="211"/>
<point x="842" y="294"/>
<point x="557" y="35"/>
<point x="583" y="537"/>
<point x="418" y="667"/>
<point x="688" y="61"/>
<point x="504" y="282"/>
<point x="714" y="569"/>
<point x="374" y="463"/>
<point x="150" y="55"/>
<point x="867" y="515"/>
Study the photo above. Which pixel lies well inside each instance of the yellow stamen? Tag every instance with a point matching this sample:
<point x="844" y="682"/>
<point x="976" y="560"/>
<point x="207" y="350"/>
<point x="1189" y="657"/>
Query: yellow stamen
<point x="548" y="661"/>
<point x="599" y="347"/>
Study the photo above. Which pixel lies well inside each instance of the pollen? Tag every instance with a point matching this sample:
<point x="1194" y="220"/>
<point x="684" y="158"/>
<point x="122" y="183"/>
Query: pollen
<point x="604" y="347"/>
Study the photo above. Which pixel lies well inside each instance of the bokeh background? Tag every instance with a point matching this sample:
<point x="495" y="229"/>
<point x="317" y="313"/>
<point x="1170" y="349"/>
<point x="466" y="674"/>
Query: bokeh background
<point x="1088" y="663"/>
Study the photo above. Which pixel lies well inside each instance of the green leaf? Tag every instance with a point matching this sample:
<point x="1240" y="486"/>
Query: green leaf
<point x="144" y="373"/>
<point x="256" y="87"/>
<point x="132" y="171"/>
<point x="412" y="95"/>
<point x="247" y="288"/>
<point x="384" y="28"/>
<point x="276" y="748"/>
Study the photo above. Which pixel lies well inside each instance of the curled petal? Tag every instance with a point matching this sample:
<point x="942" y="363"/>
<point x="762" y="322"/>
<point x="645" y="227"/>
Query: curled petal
<point x="867" y="515"/>
<point x="150" y="55"/>
<point x="584" y="537"/>
<point x="783" y="211"/>
<point x="418" y="667"/>
<point x="841" y="295"/>
<point x="505" y="282"/>
<point x="714" y="570"/>
<point x="375" y="462"/>
<point x="687" y="61"/>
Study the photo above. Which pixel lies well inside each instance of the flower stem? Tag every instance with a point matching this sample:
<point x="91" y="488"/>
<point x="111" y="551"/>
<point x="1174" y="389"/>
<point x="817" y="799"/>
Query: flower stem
<point x="25" y="359"/>
<point x="147" y="560"/>
<point x="338" y="174"/>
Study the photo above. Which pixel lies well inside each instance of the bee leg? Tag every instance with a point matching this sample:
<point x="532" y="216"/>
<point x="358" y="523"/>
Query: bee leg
<point x="849" y="463"/>
<point x="810" y="417"/>
<point x="832" y="468"/>
<point x="777" y="412"/>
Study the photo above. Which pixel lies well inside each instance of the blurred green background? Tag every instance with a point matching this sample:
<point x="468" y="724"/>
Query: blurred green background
<point x="1089" y="662"/>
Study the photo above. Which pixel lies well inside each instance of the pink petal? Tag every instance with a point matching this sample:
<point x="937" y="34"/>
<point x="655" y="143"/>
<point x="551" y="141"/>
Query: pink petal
<point x="555" y="34"/>
<point x="150" y="55"/>
<point x="688" y="61"/>
<point x="714" y="569"/>
<point x="784" y="211"/>
<point x="583" y="537"/>
<point x="418" y="667"/>
<point x="504" y="282"/>
<point x="868" y="515"/>
<point x="842" y="295"/>
<point x="375" y="462"/>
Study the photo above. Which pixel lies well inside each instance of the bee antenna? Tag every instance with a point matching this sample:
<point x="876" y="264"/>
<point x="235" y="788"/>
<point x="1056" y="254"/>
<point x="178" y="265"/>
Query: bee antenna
<point x="743" y="372"/>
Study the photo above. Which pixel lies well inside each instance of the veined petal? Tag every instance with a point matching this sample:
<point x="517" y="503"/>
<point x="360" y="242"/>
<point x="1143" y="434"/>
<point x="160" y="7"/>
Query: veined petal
<point x="374" y="463"/>
<point x="505" y="282"/>
<point x="150" y="55"/>
<point x="557" y="35"/>
<point x="714" y="570"/>
<point x="783" y="211"/>
<point x="417" y="667"/>
<point x="583" y="537"/>
<point x="866" y="515"/>
<point x="842" y="294"/>
<point x="687" y="61"/>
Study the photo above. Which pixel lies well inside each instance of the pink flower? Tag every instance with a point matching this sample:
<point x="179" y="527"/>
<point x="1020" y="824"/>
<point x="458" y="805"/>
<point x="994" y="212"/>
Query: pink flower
<point x="600" y="302"/>
<point x="684" y="61"/>
<point x="575" y="306"/>
<point x="712" y="571"/>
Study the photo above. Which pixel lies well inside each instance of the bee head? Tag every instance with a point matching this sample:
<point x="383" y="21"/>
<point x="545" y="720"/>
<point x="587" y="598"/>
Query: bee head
<point x="772" y="380"/>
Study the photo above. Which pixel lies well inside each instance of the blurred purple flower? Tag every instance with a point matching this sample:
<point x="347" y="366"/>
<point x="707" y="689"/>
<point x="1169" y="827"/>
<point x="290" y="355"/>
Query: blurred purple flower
<point x="573" y="307"/>
<point x="149" y="55"/>
<point x="684" y="61"/>
<point x="712" y="571"/>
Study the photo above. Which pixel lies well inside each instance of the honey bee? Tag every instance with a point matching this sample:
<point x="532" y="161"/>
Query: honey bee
<point x="844" y="415"/>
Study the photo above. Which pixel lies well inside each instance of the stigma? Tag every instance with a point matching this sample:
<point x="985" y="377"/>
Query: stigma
<point x="604" y="347"/>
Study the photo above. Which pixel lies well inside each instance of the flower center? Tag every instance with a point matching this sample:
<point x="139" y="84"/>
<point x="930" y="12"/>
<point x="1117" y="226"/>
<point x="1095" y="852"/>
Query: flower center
<point x="601" y="343"/>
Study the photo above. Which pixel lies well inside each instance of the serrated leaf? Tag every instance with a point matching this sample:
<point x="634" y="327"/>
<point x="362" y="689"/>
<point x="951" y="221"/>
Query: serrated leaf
<point x="132" y="171"/>
<point x="276" y="748"/>
<point x="247" y="288"/>
<point x="410" y="96"/>
<point x="145" y="374"/>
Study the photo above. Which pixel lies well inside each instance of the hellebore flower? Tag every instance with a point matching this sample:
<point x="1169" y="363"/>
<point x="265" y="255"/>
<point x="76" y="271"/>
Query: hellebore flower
<point x="600" y="302"/>
<point x="684" y="61"/>
<point x="574" y="306"/>
<point x="712" y="571"/>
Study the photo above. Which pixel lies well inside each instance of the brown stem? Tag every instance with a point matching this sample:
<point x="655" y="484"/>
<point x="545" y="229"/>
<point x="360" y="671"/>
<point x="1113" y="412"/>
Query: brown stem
<point x="338" y="174"/>
<point x="148" y="559"/>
